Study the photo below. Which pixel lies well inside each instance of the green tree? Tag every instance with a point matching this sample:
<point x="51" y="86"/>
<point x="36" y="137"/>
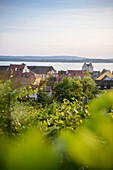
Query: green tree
<point x="8" y="99"/>
<point x="62" y="72"/>
<point x="86" y="72"/>
<point x="89" y="87"/>
<point x="43" y="97"/>
<point x="67" y="88"/>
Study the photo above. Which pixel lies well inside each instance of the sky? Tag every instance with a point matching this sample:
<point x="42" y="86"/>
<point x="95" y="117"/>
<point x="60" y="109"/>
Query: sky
<point x="81" y="28"/>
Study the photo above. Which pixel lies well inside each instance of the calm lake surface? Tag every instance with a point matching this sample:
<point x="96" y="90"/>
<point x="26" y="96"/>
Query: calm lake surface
<point x="63" y="66"/>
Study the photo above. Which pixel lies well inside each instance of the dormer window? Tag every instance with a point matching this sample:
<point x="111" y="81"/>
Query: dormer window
<point x="15" y="68"/>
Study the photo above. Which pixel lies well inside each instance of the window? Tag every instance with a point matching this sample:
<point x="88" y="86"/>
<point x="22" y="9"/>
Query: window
<point x="15" y="68"/>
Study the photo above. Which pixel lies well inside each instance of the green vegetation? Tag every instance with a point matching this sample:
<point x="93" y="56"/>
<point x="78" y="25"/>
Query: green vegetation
<point x="75" y="87"/>
<point x="60" y="134"/>
<point x="89" y="87"/>
<point x="49" y="118"/>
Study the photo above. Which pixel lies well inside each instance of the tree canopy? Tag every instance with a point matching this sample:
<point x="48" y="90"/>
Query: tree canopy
<point x="68" y="88"/>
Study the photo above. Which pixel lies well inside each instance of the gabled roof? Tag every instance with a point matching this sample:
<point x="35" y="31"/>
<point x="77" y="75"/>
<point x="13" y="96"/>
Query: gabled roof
<point x="107" y="74"/>
<point x="41" y="69"/>
<point x="90" y="64"/>
<point x="103" y="71"/>
<point x="13" y="66"/>
<point x="19" y="78"/>
<point x="106" y="78"/>
<point x="30" y="78"/>
<point x="27" y="78"/>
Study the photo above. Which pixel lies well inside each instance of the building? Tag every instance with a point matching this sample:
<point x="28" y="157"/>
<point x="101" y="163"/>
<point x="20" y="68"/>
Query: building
<point x="104" y="84"/>
<point x="87" y="67"/>
<point x="95" y="75"/>
<point x="81" y="76"/>
<point x="14" y="68"/>
<point x="105" y="75"/>
<point x="105" y="80"/>
<point x="43" y="71"/>
<point x="4" y="68"/>
<point x="74" y="72"/>
<point x="71" y="73"/>
<point x="22" y="76"/>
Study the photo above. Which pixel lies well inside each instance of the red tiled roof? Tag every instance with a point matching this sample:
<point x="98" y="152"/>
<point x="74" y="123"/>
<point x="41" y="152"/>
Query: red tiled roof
<point x="59" y="78"/>
<point x="19" y="67"/>
<point x="74" y="71"/>
<point x="18" y="77"/>
<point x="26" y="78"/>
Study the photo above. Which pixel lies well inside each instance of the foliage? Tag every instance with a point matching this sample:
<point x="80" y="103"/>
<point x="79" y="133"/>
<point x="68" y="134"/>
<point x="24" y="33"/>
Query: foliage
<point x="62" y="72"/>
<point x="49" y="116"/>
<point x="18" y="114"/>
<point x="67" y="88"/>
<point x="89" y="87"/>
<point x="42" y="97"/>
<point x="43" y="82"/>
<point x="65" y="136"/>
<point x="4" y="76"/>
<point x="4" y="89"/>
<point x="91" y="147"/>
<point x="75" y="87"/>
<point x="86" y="72"/>
<point x="49" y="120"/>
<point x="8" y="99"/>
<point x="31" y="153"/>
<point x="57" y="117"/>
<point x="50" y="75"/>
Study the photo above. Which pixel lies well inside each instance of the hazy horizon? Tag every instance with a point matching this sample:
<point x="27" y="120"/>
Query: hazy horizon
<point x="62" y="57"/>
<point x="56" y="28"/>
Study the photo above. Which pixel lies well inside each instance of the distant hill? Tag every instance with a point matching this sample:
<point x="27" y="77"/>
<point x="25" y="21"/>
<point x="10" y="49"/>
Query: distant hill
<point x="62" y="57"/>
<point x="54" y="59"/>
<point x="41" y="58"/>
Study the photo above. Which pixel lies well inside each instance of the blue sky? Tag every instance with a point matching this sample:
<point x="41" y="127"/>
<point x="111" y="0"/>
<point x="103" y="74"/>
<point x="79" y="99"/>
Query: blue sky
<point x="57" y="27"/>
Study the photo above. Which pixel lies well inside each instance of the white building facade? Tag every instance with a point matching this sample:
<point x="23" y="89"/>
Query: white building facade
<point x="87" y="67"/>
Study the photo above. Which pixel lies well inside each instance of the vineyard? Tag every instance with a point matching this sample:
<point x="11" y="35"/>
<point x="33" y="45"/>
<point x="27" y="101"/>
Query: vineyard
<point x="62" y="134"/>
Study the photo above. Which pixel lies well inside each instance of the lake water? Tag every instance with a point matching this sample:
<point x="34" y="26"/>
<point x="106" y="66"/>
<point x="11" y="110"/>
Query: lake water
<point x="63" y="66"/>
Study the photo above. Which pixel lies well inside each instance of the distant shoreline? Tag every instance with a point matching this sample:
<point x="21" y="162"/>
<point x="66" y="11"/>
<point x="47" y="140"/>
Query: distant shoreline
<point x="60" y="61"/>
